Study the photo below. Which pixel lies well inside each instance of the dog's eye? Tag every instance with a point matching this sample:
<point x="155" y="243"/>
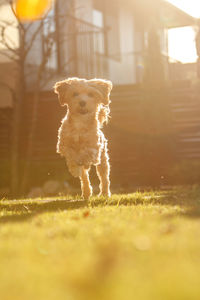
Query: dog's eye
<point x="90" y="94"/>
<point x="75" y="94"/>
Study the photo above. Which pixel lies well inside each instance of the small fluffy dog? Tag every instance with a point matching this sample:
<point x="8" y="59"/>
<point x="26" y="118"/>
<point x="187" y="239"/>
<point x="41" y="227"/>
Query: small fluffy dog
<point x="80" y="139"/>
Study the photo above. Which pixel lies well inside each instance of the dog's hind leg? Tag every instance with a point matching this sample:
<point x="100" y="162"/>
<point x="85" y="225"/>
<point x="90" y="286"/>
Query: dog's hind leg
<point x="85" y="183"/>
<point x="103" y="172"/>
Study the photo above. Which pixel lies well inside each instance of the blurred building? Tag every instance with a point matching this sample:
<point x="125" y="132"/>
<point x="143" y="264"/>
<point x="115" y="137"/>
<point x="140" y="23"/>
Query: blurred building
<point x="105" y="38"/>
<point x="95" y="38"/>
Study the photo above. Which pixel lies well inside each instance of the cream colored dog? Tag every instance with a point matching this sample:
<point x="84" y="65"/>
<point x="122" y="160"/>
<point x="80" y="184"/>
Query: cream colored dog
<point x="80" y="139"/>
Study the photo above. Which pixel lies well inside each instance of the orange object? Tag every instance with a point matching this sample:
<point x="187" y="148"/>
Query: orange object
<point x="30" y="10"/>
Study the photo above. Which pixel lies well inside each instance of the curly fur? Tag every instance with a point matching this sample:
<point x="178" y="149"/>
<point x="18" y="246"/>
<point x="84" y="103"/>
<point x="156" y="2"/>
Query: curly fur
<point x="80" y="139"/>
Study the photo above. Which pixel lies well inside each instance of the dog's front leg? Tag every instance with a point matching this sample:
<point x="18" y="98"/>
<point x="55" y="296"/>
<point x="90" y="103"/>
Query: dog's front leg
<point x="103" y="172"/>
<point x="74" y="169"/>
<point x="72" y="159"/>
<point x="85" y="184"/>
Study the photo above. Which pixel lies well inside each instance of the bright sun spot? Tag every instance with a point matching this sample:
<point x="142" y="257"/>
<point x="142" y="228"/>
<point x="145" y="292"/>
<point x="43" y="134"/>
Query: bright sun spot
<point x="182" y="40"/>
<point x="191" y="7"/>
<point x="181" y="44"/>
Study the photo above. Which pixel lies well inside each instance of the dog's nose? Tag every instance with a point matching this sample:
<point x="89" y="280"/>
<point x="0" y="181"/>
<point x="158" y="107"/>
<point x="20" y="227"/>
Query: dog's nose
<point x="82" y="103"/>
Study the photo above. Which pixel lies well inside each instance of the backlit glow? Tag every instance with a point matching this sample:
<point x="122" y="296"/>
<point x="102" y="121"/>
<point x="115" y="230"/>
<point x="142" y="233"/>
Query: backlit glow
<point x="181" y="45"/>
<point x="30" y="10"/>
<point x="191" y="7"/>
<point x="182" y="40"/>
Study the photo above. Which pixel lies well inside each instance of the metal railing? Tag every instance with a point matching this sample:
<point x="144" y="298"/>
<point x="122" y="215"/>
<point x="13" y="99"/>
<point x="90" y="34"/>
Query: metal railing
<point x="79" y="47"/>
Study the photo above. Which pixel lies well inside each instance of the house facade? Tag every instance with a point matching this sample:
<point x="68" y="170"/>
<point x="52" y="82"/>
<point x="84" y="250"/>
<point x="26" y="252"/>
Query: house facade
<point x="92" y="38"/>
<point x="109" y="38"/>
<point x="106" y="39"/>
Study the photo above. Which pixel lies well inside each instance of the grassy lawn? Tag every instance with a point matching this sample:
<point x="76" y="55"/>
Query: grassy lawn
<point x="134" y="246"/>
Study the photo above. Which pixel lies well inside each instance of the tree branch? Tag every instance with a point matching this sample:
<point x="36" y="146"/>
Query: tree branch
<point x="46" y="56"/>
<point x="4" y="42"/>
<point x="18" y="20"/>
<point x="7" y="37"/>
<point x="33" y="39"/>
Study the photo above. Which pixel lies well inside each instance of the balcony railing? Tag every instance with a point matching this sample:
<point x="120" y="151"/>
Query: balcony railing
<point x="79" y="47"/>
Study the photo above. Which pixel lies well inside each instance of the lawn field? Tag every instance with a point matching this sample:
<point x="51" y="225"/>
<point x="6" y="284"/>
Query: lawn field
<point x="142" y="246"/>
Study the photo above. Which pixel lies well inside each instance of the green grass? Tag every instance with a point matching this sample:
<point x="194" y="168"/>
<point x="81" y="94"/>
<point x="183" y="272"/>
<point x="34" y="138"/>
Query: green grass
<point x="133" y="246"/>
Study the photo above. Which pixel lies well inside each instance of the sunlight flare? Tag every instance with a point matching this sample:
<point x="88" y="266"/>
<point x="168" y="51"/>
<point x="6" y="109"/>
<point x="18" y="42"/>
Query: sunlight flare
<point x="30" y="10"/>
<point x="191" y="7"/>
<point x="182" y="46"/>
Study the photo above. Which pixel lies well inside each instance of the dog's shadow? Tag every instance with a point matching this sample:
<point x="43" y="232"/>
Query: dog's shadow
<point x="23" y="210"/>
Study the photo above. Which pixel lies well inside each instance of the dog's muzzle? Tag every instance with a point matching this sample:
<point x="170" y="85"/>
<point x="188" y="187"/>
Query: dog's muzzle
<point x="82" y="111"/>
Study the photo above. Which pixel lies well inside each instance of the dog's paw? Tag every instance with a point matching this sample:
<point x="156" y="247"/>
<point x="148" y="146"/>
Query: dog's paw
<point x="85" y="164"/>
<point x="75" y="170"/>
<point x="95" y="160"/>
<point x="94" y="156"/>
<point x="84" y="161"/>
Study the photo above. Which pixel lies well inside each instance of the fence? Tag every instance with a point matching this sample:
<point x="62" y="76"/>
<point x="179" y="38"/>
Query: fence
<point x="148" y="132"/>
<point x="185" y="105"/>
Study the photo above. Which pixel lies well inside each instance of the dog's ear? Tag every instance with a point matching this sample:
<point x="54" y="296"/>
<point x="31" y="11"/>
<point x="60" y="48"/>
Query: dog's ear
<point x="61" y="88"/>
<point x="104" y="87"/>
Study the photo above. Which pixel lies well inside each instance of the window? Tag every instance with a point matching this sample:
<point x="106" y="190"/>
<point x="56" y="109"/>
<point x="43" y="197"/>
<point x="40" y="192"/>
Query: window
<point x="97" y="18"/>
<point x="106" y="17"/>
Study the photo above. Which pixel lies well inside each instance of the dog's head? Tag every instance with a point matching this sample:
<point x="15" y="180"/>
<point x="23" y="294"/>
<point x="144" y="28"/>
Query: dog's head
<point x="83" y="96"/>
